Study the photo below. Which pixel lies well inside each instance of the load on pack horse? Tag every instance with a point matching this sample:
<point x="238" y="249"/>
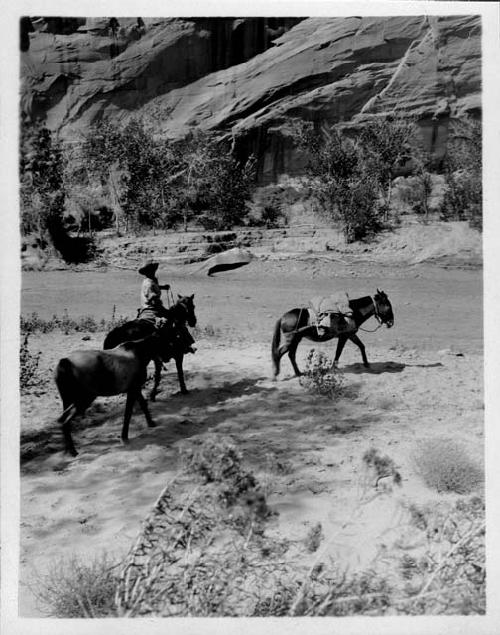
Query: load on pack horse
<point x="320" y="324"/>
<point x="152" y="313"/>
<point x="86" y="374"/>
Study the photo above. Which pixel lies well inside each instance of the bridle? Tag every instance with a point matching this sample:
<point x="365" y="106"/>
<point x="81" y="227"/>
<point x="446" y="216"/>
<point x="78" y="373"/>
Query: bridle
<point x="376" y="311"/>
<point x="377" y="317"/>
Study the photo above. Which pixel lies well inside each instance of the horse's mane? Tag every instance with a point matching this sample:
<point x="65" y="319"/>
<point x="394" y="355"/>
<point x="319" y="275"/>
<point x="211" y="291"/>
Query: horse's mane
<point x="359" y="302"/>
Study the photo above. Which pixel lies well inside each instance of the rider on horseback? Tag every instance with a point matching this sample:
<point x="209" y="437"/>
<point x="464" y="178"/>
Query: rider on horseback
<point x="152" y="306"/>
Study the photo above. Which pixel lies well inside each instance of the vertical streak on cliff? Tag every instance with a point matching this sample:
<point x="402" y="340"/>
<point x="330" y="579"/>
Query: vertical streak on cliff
<point x="401" y="65"/>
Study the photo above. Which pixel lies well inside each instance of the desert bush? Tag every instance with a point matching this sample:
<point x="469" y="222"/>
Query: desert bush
<point x="445" y="466"/>
<point x="269" y="205"/>
<point x="202" y="551"/>
<point x="382" y="466"/>
<point x="35" y="324"/>
<point x="28" y="373"/>
<point x="314" y="537"/>
<point x="449" y="578"/>
<point x="78" y="587"/>
<point x="195" y="557"/>
<point x="321" y="377"/>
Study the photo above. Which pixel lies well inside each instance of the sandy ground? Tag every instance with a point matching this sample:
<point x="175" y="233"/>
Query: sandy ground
<point x="426" y="382"/>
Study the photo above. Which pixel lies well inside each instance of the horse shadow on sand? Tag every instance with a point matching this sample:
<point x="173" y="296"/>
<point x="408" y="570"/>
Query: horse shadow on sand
<point x="377" y="368"/>
<point x="176" y="416"/>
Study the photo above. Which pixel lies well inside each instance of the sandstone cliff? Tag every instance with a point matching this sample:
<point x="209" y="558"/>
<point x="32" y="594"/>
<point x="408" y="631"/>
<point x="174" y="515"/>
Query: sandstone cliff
<point x="250" y="77"/>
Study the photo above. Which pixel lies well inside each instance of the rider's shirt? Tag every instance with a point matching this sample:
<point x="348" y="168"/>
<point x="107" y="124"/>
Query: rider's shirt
<point x="150" y="294"/>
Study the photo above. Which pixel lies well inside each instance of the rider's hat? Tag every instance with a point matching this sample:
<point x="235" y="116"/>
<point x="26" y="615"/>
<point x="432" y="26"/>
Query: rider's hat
<point x="149" y="266"/>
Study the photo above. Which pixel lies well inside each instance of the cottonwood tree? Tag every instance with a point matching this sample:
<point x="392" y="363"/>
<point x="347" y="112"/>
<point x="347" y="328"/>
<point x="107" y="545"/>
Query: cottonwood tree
<point x="463" y="172"/>
<point x="341" y="181"/>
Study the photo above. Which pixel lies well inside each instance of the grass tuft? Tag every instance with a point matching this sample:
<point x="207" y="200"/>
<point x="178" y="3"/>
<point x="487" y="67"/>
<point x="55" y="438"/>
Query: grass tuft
<point x="77" y="587"/>
<point x="321" y="377"/>
<point x="87" y="324"/>
<point x="29" y="373"/>
<point x="445" y="466"/>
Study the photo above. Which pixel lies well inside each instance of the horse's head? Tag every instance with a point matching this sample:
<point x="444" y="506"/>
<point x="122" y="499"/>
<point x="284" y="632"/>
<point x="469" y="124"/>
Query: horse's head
<point x="383" y="308"/>
<point x="185" y="305"/>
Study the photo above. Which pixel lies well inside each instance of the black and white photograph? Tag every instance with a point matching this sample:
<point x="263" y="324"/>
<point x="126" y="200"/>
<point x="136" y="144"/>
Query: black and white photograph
<point x="246" y="295"/>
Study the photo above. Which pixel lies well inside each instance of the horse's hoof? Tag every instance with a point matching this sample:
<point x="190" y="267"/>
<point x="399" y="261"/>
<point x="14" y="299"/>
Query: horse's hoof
<point x="151" y="424"/>
<point x="125" y="441"/>
<point x="72" y="452"/>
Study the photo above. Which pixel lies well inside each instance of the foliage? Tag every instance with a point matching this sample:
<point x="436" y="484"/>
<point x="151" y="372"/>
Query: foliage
<point x="445" y="466"/>
<point x="351" y="173"/>
<point x="321" y="377"/>
<point x="41" y="175"/>
<point x="78" y="588"/>
<point x="29" y="375"/>
<point x="387" y="143"/>
<point x="158" y="183"/>
<point x="35" y="324"/>
<point x="463" y="172"/>
<point x="229" y="188"/>
<point x="314" y="537"/>
<point x="342" y="183"/>
<point x="382" y="466"/>
<point x="136" y="169"/>
<point x="268" y="205"/>
<point x="202" y="552"/>
<point x="43" y="193"/>
<point x="450" y="577"/>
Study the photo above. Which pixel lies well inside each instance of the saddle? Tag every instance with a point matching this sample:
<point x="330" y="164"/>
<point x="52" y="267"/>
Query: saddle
<point x="331" y="314"/>
<point x="181" y="333"/>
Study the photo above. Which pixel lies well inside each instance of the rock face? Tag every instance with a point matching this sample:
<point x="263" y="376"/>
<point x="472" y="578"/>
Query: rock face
<point x="251" y="77"/>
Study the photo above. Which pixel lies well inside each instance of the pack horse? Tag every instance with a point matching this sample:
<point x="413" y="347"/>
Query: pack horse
<point x="305" y="322"/>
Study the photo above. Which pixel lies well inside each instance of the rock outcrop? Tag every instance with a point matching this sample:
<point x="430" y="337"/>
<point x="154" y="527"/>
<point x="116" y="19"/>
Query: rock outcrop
<point x="251" y="77"/>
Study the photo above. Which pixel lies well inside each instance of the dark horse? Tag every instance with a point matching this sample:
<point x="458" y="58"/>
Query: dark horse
<point x="297" y="323"/>
<point x="84" y="375"/>
<point x="180" y="314"/>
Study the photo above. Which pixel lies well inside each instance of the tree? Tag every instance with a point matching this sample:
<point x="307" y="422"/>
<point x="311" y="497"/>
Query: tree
<point x="41" y="177"/>
<point x="387" y="143"/>
<point x="463" y="172"/>
<point x="342" y="182"/>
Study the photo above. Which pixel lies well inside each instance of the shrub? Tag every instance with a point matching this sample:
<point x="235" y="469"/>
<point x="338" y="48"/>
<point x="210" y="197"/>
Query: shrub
<point x="29" y="373"/>
<point x="463" y="173"/>
<point x="346" y="187"/>
<point x="314" y="537"/>
<point x="78" y="588"/>
<point x="321" y="377"/>
<point x="34" y="323"/>
<point x="450" y="575"/>
<point x="445" y="466"/>
<point x="383" y="466"/>
<point x="268" y="206"/>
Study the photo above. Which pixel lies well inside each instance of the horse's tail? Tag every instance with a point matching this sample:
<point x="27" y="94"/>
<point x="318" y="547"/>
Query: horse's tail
<point x="275" y="347"/>
<point x="65" y="382"/>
